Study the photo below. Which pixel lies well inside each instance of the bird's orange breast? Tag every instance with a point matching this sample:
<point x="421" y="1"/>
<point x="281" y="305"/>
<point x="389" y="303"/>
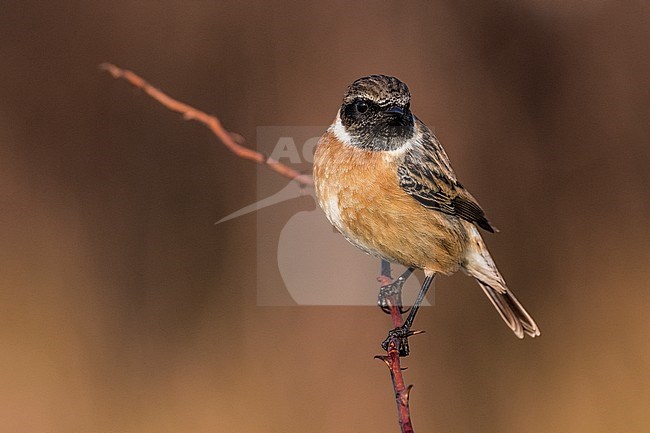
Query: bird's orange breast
<point x="360" y="194"/>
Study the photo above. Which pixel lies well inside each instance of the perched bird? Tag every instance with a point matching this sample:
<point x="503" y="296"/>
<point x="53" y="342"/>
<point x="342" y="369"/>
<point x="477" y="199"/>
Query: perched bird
<point x="385" y="182"/>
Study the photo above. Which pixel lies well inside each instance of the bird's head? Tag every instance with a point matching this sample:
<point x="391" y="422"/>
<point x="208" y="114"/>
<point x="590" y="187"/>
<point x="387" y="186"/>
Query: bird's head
<point x="376" y="113"/>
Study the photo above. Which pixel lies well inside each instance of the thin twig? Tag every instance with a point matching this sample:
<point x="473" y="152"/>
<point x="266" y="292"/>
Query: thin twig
<point x="191" y="113"/>
<point x="392" y="358"/>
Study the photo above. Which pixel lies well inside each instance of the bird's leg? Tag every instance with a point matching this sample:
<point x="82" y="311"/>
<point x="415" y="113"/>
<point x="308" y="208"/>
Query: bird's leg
<point x="393" y="289"/>
<point x="404" y="332"/>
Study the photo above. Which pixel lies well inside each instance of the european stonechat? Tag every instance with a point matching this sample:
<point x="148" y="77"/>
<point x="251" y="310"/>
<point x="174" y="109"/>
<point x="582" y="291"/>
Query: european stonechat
<point x="385" y="182"/>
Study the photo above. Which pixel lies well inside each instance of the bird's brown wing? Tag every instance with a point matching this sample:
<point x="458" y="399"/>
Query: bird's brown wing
<point x="426" y="175"/>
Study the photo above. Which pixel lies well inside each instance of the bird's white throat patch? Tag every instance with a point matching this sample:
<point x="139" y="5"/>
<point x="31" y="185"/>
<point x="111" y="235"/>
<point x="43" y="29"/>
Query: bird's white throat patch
<point x="339" y="131"/>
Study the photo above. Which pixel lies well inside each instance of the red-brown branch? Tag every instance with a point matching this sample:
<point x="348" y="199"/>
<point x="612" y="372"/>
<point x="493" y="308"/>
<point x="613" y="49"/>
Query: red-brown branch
<point x="392" y="360"/>
<point x="191" y="113"/>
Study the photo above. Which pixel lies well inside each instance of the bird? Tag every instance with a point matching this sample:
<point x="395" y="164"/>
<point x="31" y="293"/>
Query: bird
<point x="386" y="184"/>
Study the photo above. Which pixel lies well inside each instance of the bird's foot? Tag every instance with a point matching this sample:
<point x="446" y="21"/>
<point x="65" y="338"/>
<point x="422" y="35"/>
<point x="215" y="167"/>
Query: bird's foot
<point x="401" y="337"/>
<point x="392" y="290"/>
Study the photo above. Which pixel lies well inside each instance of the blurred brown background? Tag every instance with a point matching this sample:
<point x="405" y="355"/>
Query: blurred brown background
<point x="123" y="308"/>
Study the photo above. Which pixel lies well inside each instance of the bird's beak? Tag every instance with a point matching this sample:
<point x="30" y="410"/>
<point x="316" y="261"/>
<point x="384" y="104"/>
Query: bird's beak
<point x="395" y="111"/>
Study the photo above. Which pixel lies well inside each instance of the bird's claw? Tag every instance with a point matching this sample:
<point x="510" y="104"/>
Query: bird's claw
<point x="401" y="335"/>
<point x="393" y="289"/>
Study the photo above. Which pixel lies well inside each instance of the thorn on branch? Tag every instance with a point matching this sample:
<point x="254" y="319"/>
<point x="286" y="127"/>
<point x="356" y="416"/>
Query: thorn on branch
<point x="406" y="395"/>
<point x="383" y="358"/>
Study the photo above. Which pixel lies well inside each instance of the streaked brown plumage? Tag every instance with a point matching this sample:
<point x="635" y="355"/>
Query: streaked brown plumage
<point x="385" y="182"/>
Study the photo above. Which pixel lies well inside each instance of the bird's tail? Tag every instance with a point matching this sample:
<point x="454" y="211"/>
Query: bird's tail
<point x="511" y="311"/>
<point x="479" y="264"/>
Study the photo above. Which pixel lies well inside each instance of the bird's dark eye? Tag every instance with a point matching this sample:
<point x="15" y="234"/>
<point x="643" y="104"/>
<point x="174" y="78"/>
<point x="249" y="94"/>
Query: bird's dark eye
<point x="361" y="106"/>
